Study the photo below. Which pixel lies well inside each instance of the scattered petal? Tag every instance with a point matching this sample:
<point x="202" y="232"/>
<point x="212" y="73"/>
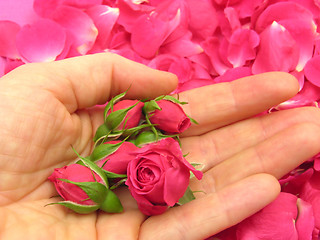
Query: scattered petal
<point x="9" y="31"/>
<point x="42" y="41"/>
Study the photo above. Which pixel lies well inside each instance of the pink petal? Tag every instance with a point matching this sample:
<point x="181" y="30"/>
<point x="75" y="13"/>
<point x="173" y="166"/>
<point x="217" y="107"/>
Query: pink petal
<point x="278" y="51"/>
<point x="191" y="84"/>
<point x="18" y="11"/>
<point x="168" y="62"/>
<point x="282" y="11"/>
<point x="305" y="221"/>
<point x="8" y="35"/>
<point x="312" y="70"/>
<point x="42" y="41"/>
<point x="82" y="3"/>
<point x="202" y="17"/>
<point x="104" y="18"/>
<point x="182" y="68"/>
<point x="232" y="17"/>
<point x="242" y="46"/>
<point x="210" y="46"/>
<point x="2" y="66"/>
<point x="46" y="8"/>
<point x="199" y="72"/>
<point x="12" y="64"/>
<point x="130" y="12"/>
<point x="317" y="48"/>
<point x="246" y="8"/>
<point x="233" y="74"/>
<point x="182" y="47"/>
<point x="79" y="26"/>
<point x="304" y="33"/>
<point x="149" y="32"/>
<point x="275" y="221"/>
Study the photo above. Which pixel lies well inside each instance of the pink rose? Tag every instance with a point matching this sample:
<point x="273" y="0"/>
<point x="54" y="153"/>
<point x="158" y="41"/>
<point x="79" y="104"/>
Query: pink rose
<point x="76" y="173"/>
<point x="117" y="162"/>
<point x="133" y="116"/>
<point x="171" y="118"/>
<point x="159" y="176"/>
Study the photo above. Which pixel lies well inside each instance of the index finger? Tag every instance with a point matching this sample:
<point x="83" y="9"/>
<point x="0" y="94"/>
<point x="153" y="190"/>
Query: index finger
<point x="85" y="81"/>
<point x="218" y="105"/>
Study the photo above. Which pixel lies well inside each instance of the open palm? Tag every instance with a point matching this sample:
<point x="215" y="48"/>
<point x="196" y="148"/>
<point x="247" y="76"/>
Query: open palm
<point x="47" y="107"/>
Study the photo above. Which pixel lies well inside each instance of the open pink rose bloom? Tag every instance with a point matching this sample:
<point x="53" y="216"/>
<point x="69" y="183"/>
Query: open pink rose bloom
<point x="203" y="42"/>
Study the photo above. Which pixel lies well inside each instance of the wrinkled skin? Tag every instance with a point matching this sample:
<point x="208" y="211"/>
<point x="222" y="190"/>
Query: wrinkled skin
<point x="47" y="107"/>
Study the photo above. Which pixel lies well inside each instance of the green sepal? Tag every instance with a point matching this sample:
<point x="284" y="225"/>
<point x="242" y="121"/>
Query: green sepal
<point x="104" y="150"/>
<point x="78" y="208"/>
<point x="147" y="137"/>
<point x="150" y="106"/>
<point x="131" y="131"/>
<point x="96" y="191"/>
<point x="111" y="175"/>
<point x="114" y="119"/>
<point x="112" y="102"/>
<point x="102" y="132"/>
<point x="187" y="197"/>
<point x="112" y="203"/>
<point x="170" y="98"/>
<point x="94" y="167"/>
<point x="192" y="120"/>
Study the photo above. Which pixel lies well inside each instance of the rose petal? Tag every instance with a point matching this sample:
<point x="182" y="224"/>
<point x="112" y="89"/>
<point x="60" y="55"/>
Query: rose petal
<point x="191" y="84"/>
<point x="304" y="33"/>
<point x="82" y="3"/>
<point x="242" y="46"/>
<point x="275" y="221"/>
<point x="18" y="11"/>
<point x="150" y="32"/>
<point x="233" y="74"/>
<point x="182" y="47"/>
<point x="9" y="31"/>
<point x="2" y="66"/>
<point x="282" y="11"/>
<point x="104" y="18"/>
<point x="202" y="18"/>
<point x="46" y="8"/>
<point x="42" y="41"/>
<point x="305" y="221"/>
<point x="312" y="70"/>
<point x="131" y="11"/>
<point x="210" y="46"/>
<point x="79" y="26"/>
<point x="278" y="51"/>
<point x="175" y="184"/>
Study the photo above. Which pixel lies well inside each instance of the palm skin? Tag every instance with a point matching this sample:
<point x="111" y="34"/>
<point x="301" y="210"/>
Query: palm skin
<point x="47" y="107"/>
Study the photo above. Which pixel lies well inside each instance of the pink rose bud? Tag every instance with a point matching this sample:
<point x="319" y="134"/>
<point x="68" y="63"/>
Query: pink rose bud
<point x="171" y="118"/>
<point x="75" y="173"/>
<point x="133" y="116"/>
<point x="83" y="189"/>
<point x="117" y="162"/>
<point x="159" y="176"/>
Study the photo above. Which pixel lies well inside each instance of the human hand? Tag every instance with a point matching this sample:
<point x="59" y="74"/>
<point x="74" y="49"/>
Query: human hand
<point x="47" y="107"/>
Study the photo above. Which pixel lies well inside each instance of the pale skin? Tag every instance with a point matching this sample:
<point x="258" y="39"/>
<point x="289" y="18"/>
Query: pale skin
<point x="47" y="107"/>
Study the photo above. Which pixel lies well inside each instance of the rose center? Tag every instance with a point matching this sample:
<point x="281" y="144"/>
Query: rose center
<point x="145" y="174"/>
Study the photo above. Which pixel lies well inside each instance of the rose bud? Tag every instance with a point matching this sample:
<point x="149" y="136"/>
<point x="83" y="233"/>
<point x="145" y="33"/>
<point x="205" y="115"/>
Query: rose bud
<point x="171" y="118"/>
<point x="84" y="190"/>
<point x="117" y="161"/>
<point x="159" y="176"/>
<point x="127" y="119"/>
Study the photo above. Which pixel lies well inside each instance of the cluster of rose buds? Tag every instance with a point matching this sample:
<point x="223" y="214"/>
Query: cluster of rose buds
<point x="137" y="145"/>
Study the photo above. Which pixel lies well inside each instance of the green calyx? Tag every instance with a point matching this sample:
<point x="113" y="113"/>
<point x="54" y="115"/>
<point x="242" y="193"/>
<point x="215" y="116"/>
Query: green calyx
<point x="111" y="203"/>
